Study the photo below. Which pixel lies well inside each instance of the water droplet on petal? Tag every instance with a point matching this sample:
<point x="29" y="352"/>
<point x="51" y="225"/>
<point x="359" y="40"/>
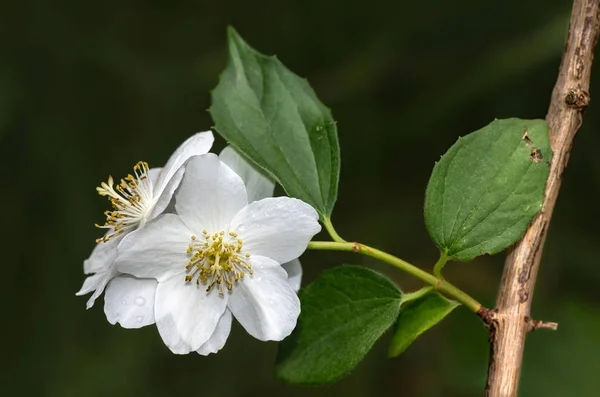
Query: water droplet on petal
<point x="124" y="302"/>
<point x="139" y="319"/>
<point x="140" y="301"/>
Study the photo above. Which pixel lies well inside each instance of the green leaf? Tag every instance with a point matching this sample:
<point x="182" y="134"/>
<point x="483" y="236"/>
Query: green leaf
<point x="276" y="120"/>
<point x="343" y="313"/>
<point x="485" y="190"/>
<point x="416" y="317"/>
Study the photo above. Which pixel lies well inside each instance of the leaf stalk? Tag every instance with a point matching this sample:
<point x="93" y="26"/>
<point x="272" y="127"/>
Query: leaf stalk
<point x="438" y="284"/>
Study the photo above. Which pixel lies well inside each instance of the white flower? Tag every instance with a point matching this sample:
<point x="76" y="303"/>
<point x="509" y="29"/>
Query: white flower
<point x="135" y="200"/>
<point x="129" y="300"/>
<point x="218" y="257"/>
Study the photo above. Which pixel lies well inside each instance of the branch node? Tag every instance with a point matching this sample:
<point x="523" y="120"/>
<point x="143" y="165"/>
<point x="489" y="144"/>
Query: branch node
<point x="533" y="325"/>
<point x="488" y="316"/>
<point x="577" y="98"/>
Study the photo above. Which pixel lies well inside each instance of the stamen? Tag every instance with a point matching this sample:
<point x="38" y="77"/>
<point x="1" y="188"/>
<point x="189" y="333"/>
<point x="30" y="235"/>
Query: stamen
<point x="130" y="199"/>
<point x="217" y="261"/>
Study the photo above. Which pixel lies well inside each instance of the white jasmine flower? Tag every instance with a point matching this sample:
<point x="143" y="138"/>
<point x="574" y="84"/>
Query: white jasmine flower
<point x="135" y="200"/>
<point x="130" y="301"/>
<point x="218" y="257"/>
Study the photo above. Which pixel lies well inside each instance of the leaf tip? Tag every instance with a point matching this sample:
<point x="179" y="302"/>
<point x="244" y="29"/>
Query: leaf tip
<point x="394" y="352"/>
<point x="235" y="40"/>
<point x="231" y="32"/>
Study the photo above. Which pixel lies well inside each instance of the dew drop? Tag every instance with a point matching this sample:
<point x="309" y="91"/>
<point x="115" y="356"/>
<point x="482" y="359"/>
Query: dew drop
<point x="139" y="319"/>
<point x="140" y="301"/>
<point x="124" y="302"/>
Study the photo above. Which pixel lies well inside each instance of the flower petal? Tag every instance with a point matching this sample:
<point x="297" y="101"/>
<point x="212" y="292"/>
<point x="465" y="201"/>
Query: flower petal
<point x="157" y="250"/>
<point x="187" y="315"/>
<point x="258" y="185"/>
<point x="210" y="194"/>
<point x="279" y="228"/>
<point x="199" y="143"/>
<point x="264" y="303"/>
<point x="166" y="197"/>
<point x="219" y="337"/>
<point x="129" y="301"/>
<point x="103" y="255"/>
<point x="96" y="283"/>
<point x="294" y="272"/>
<point x="154" y="173"/>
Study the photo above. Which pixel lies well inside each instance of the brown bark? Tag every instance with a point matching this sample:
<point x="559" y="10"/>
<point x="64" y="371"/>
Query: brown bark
<point x="510" y="322"/>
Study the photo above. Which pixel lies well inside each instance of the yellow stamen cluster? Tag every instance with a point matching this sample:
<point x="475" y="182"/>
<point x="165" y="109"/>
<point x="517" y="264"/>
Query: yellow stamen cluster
<point x="217" y="260"/>
<point x="130" y="200"/>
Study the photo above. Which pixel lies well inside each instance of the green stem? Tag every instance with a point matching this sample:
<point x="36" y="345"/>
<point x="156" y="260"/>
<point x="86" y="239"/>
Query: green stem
<point x="439" y="265"/>
<point x="411" y="296"/>
<point x="330" y="229"/>
<point x="439" y="284"/>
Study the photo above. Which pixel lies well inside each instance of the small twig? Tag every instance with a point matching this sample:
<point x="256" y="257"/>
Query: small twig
<point x="511" y="321"/>
<point x="533" y="325"/>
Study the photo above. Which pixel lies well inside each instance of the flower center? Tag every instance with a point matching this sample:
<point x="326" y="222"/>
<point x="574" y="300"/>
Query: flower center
<point x="217" y="260"/>
<point x="130" y="200"/>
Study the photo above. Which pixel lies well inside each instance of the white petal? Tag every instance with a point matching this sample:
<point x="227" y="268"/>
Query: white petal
<point x="279" y="228"/>
<point x="258" y="185"/>
<point x="96" y="283"/>
<point x="166" y="197"/>
<point x="103" y="255"/>
<point x="129" y="301"/>
<point x="187" y="315"/>
<point x="210" y="194"/>
<point x="199" y="143"/>
<point x="294" y="272"/>
<point x="157" y="250"/>
<point x="154" y="173"/>
<point x="219" y="337"/>
<point x="264" y="303"/>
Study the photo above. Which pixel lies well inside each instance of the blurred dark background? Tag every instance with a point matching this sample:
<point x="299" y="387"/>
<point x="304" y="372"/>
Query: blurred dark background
<point x="87" y="89"/>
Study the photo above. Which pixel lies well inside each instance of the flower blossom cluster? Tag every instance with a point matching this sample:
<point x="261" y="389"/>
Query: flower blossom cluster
<point x="192" y="245"/>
